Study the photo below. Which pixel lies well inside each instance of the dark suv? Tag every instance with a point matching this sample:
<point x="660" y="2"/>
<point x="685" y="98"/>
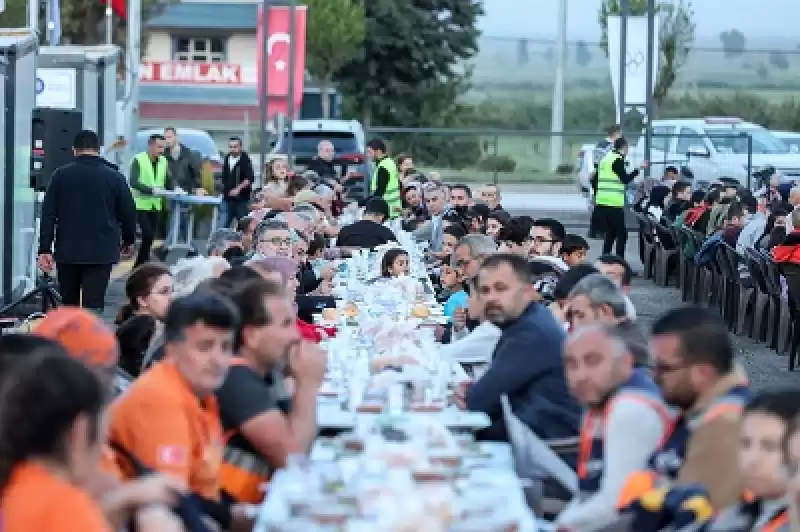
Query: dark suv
<point x="350" y="159"/>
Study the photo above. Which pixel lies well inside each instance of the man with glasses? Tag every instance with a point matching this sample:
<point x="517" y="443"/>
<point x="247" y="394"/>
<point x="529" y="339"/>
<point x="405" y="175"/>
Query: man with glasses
<point x="322" y="162"/>
<point x="695" y="369"/>
<point x="273" y="239"/>
<point x="238" y="177"/>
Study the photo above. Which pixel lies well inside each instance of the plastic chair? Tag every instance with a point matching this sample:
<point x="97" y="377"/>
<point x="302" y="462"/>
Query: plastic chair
<point x="792" y="274"/>
<point x="743" y="294"/>
<point x="648" y="244"/>
<point x="761" y="299"/>
<point x="728" y="279"/>
<point x="680" y="267"/>
<point x="690" y="272"/>
<point x="778" y="316"/>
<point x="665" y="250"/>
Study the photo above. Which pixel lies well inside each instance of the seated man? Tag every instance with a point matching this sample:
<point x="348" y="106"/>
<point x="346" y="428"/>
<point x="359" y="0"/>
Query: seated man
<point x="694" y="367"/>
<point x="625" y="421"/>
<point x="261" y="435"/>
<point x="369" y="232"/>
<point x="531" y="377"/>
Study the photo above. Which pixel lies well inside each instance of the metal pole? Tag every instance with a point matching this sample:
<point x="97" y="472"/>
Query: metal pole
<point x="134" y="54"/>
<point x="623" y="57"/>
<point x="292" y="64"/>
<point x="109" y="24"/>
<point x="33" y="16"/>
<point x="557" y="120"/>
<point x="263" y="97"/>
<point x="48" y="23"/>
<point x="649" y="64"/>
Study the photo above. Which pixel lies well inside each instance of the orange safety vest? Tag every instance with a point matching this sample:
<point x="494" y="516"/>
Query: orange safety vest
<point x="243" y="474"/>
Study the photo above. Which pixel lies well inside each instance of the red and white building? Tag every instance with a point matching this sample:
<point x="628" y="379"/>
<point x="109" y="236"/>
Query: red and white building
<point x="201" y="66"/>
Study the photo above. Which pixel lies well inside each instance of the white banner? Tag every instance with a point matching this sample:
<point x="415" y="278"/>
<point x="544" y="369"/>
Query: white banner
<point x="2" y="5"/>
<point x="636" y="89"/>
<point x="56" y="88"/>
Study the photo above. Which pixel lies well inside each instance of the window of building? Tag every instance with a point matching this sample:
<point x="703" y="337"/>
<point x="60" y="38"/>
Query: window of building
<point x="200" y="49"/>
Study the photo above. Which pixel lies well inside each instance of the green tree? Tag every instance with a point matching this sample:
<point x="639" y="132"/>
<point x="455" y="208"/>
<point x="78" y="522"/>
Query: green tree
<point x="675" y="35"/>
<point x="82" y="21"/>
<point x="413" y="49"/>
<point x="734" y="43"/>
<point x="334" y="37"/>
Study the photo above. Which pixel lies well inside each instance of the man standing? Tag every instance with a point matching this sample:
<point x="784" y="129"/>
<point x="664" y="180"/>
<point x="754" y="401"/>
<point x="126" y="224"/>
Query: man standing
<point x="237" y="180"/>
<point x="149" y="176"/>
<point x="185" y="171"/>
<point x="322" y="163"/>
<point x="89" y="212"/>
<point x="386" y="180"/>
<point x="600" y="151"/>
<point x="610" y="183"/>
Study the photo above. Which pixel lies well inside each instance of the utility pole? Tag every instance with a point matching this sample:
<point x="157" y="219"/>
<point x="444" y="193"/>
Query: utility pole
<point x="134" y="55"/>
<point x="557" y="121"/>
<point x="264" y="93"/>
<point x="292" y="66"/>
<point x="649" y="64"/>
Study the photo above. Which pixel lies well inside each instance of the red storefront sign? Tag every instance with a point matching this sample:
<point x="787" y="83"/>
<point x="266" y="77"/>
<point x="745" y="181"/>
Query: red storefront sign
<point x="277" y="45"/>
<point x="190" y="73"/>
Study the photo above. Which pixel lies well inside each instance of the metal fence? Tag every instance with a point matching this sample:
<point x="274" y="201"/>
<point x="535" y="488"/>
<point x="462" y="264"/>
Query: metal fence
<point x="544" y="157"/>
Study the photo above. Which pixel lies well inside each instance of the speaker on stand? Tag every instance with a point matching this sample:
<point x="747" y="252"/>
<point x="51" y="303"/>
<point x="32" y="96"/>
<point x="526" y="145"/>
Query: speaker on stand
<point x="52" y="133"/>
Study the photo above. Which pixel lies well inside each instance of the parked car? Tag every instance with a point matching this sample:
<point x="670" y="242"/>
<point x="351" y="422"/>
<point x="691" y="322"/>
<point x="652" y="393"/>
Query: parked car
<point x="349" y="142"/>
<point x="716" y="147"/>
<point x="790" y="138"/>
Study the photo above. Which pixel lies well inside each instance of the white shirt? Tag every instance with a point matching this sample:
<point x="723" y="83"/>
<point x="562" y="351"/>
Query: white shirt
<point x="233" y="161"/>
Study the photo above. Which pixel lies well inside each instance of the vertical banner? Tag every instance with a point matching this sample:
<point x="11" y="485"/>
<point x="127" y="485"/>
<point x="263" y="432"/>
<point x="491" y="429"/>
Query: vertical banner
<point x="277" y="46"/>
<point x="636" y="89"/>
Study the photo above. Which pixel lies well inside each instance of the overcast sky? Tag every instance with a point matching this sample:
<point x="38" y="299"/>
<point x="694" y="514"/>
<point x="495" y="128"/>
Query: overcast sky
<point x="757" y="19"/>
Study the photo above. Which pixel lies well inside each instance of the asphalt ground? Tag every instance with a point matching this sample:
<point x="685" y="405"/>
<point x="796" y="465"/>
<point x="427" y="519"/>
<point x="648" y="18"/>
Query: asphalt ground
<point x="765" y="367"/>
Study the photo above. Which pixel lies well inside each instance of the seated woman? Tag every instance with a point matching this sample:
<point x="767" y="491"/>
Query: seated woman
<point x="140" y="320"/>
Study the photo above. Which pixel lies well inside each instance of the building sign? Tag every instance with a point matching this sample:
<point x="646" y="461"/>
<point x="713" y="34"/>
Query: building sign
<point x="56" y="88"/>
<point x="190" y="73"/>
<point x="278" y="44"/>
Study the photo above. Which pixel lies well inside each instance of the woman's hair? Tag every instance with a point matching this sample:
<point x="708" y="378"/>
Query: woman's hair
<point x="658" y="195"/>
<point x="501" y="216"/>
<point x="39" y="404"/>
<point x="269" y="171"/>
<point x="388" y="260"/>
<point x="296" y="184"/>
<point x="316" y="244"/>
<point x="139" y="284"/>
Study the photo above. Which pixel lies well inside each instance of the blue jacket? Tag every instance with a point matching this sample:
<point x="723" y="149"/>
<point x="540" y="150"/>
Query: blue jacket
<point x="528" y="366"/>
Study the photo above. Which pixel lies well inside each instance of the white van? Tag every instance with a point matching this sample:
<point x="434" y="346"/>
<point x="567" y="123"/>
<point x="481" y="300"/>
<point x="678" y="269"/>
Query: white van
<point x="716" y="147"/>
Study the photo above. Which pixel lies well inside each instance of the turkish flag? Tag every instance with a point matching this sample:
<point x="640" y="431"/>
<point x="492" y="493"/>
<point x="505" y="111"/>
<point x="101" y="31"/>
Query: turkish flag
<point x="120" y="7"/>
<point x="277" y="45"/>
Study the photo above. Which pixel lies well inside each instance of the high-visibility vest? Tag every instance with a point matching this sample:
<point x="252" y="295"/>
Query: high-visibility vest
<point x="150" y="178"/>
<point x="392" y="193"/>
<point x="591" y="455"/>
<point x="243" y="474"/>
<point x="610" y="190"/>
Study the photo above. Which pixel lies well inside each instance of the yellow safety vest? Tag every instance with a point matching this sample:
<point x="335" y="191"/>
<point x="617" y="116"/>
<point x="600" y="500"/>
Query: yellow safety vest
<point x="392" y="193"/>
<point x="150" y="178"/>
<point x="610" y="190"/>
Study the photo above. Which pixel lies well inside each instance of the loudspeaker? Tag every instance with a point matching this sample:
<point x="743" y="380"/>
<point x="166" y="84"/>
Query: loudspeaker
<point x="52" y="134"/>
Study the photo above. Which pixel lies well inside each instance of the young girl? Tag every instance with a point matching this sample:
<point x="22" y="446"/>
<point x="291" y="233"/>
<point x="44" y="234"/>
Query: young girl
<point x="394" y="263"/>
<point x="451" y="280"/>
<point x="276" y="173"/>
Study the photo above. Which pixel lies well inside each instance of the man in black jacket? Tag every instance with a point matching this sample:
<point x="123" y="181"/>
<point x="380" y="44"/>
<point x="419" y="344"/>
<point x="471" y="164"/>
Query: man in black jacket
<point x="322" y="163"/>
<point x="237" y="180"/>
<point x="89" y="211"/>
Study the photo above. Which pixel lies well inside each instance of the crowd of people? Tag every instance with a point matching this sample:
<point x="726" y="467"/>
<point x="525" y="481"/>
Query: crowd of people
<point x="216" y="367"/>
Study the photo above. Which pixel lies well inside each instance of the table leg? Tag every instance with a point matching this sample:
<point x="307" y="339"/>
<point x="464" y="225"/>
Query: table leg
<point x="190" y="227"/>
<point x="176" y="225"/>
